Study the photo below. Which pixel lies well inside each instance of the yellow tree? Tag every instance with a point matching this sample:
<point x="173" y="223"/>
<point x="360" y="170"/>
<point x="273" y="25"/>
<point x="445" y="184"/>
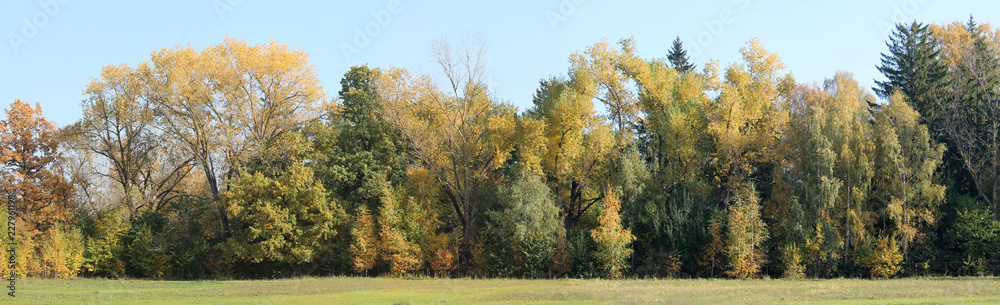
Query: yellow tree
<point x="613" y="241"/>
<point x="222" y="103"/>
<point x="673" y="106"/>
<point x="748" y="116"/>
<point x="577" y="145"/>
<point x="956" y="37"/>
<point x="119" y="124"/>
<point x="363" y="243"/>
<point x="906" y="164"/>
<point x="595" y="73"/>
<point x="745" y="234"/>
<point x="461" y="136"/>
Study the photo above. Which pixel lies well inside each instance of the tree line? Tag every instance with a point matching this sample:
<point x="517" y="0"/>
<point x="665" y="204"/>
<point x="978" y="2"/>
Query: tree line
<point x="232" y="162"/>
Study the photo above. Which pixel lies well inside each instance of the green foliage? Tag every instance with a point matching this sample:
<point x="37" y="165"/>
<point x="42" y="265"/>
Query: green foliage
<point x="281" y="219"/>
<point x="976" y="232"/>
<point x="912" y="66"/>
<point x="678" y="57"/>
<point x="526" y="221"/>
<point x="398" y="251"/>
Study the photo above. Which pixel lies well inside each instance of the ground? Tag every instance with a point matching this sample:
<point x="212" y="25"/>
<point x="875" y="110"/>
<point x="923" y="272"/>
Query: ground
<point x="353" y="290"/>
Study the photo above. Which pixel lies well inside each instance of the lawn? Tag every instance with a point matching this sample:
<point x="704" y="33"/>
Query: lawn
<point x="349" y="290"/>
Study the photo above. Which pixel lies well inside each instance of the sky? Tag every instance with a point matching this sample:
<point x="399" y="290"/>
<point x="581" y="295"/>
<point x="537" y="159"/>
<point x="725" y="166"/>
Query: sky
<point x="52" y="48"/>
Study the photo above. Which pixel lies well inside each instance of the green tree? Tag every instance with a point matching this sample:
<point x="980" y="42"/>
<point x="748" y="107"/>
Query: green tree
<point x="280" y="219"/>
<point x="526" y="222"/>
<point x="399" y="252"/>
<point x="912" y="66"/>
<point x="357" y="151"/>
<point x="678" y="57"/>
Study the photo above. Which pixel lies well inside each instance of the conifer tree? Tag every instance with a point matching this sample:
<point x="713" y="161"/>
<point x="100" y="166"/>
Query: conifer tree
<point x="678" y="57"/>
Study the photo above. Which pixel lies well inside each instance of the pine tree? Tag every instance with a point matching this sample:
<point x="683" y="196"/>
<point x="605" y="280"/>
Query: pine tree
<point x="678" y="57"/>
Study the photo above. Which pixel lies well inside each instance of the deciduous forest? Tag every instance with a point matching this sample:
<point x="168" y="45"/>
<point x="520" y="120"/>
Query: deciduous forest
<point x="232" y="161"/>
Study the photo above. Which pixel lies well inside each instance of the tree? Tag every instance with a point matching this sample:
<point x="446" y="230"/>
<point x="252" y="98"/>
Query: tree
<point x="280" y="219"/>
<point x="972" y="119"/>
<point x="905" y="165"/>
<point x="748" y="116"/>
<point x="462" y="136"/>
<point x="223" y="102"/>
<point x="577" y="145"/>
<point x="745" y="234"/>
<point x="678" y="57"/>
<point x="400" y="253"/>
<point x="526" y="222"/>
<point x="613" y="251"/>
<point x="825" y="176"/>
<point x="29" y="152"/>
<point x="912" y="66"/>
<point x="357" y="150"/>
<point x="364" y="249"/>
<point x="595" y="73"/>
<point x="119" y="124"/>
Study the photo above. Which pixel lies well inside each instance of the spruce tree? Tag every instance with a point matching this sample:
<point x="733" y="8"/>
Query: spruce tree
<point x="912" y="66"/>
<point x="678" y="57"/>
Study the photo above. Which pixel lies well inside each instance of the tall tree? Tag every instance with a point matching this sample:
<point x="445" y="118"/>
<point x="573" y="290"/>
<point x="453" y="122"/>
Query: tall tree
<point x="595" y="73"/>
<point x="119" y="124"/>
<point x="28" y="152"/>
<point x="748" y="116"/>
<point x="678" y="57"/>
<point x="357" y="150"/>
<point x="577" y="145"/>
<point x="223" y="102"/>
<point x="906" y="161"/>
<point x="912" y="66"/>
<point x="972" y="121"/>
<point x="462" y="136"/>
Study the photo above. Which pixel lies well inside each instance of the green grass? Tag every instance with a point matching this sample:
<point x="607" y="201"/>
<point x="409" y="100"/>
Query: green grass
<point x="349" y="290"/>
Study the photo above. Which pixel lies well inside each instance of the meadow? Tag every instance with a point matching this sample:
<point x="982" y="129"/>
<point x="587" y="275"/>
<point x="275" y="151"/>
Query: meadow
<point x="359" y="290"/>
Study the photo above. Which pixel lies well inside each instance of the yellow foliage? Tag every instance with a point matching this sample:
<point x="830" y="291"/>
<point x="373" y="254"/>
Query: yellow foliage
<point x="613" y="250"/>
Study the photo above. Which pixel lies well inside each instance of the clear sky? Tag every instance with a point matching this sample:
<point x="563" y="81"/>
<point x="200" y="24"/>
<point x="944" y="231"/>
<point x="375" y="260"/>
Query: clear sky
<point x="52" y="47"/>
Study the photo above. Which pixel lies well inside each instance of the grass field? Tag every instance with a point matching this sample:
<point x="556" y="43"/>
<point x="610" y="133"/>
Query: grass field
<point x="347" y="290"/>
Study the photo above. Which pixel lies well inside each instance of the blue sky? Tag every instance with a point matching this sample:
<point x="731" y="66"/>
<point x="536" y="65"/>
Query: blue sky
<point x="53" y="47"/>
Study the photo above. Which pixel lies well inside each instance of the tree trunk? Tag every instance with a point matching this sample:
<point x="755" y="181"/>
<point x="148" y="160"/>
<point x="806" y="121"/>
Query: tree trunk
<point x="213" y="184"/>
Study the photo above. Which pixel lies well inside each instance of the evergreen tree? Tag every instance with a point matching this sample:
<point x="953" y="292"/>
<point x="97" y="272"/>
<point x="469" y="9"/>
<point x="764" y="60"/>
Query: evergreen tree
<point x="678" y="57"/>
<point x="913" y="67"/>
